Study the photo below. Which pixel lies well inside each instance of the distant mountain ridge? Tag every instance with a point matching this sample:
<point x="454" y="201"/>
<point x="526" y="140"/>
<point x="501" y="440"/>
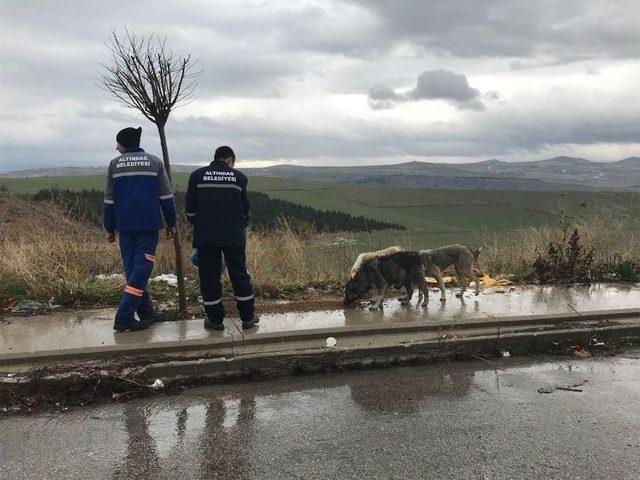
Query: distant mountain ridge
<point x="558" y="173"/>
<point x="78" y="171"/>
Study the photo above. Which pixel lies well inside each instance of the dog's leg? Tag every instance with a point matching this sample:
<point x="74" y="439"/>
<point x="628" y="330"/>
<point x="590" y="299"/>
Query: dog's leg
<point x="463" y="282"/>
<point x="437" y="274"/>
<point x="406" y="300"/>
<point x="403" y="298"/>
<point x="382" y="294"/>
<point x="473" y="276"/>
<point x="443" y="293"/>
<point x="372" y="300"/>
<point x="423" y="289"/>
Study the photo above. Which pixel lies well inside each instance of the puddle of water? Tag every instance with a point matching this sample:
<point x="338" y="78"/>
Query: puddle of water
<point x="519" y="301"/>
<point x="72" y="331"/>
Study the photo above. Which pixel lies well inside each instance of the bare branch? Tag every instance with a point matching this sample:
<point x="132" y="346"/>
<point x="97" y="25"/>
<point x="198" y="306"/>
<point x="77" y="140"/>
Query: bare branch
<point x="146" y="75"/>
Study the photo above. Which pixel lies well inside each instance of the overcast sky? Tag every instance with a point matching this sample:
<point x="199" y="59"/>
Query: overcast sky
<point x="333" y="82"/>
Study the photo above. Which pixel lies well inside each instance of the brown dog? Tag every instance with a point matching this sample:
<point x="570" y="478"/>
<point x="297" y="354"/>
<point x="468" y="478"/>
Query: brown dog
<point x="463" y="260"/>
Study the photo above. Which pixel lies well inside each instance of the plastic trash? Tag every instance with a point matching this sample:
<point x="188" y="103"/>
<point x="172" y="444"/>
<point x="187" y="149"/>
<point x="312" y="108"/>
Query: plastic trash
<point x="506" y="354"/>
<point x="331" y="342"/>
<point x="194" y="257"/>
<point x="26" y="307"/>
<point x="157" y="385"/>
<point x="168" y="278"/>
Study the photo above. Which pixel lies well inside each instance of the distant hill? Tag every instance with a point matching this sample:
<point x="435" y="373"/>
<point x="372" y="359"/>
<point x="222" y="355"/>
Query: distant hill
<point x="77" y="171"/>
<point x="559" y="173"/>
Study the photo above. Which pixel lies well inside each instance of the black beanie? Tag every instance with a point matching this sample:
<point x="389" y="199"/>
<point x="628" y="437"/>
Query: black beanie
<point x="129" y="137"/>
<point x="224" y="152"/>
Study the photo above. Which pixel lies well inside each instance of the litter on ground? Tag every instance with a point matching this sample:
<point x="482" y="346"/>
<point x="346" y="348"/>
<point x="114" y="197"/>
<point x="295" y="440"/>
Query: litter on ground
<point x="26" y="306"/>
<point x="111" y="276"/>
<point x="485" y="281"/>
<point x="157" y="385"/>
<point x="169" y="278"/>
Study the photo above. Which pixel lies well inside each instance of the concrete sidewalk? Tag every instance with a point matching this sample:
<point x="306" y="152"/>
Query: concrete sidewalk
<point x="88" y="336"/>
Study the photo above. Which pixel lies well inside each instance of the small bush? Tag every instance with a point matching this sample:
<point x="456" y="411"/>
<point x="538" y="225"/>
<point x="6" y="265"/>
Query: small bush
<point x="548" y="254"/>
<point x="626" y="271"/>
<point x="564" y="261"/>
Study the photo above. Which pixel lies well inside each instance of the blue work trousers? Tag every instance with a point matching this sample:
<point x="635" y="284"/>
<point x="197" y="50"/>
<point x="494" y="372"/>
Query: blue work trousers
<point x="138" y="250"/>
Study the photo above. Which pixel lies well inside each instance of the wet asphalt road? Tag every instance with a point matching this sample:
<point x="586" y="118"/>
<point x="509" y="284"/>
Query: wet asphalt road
<point x="461" y="420"/>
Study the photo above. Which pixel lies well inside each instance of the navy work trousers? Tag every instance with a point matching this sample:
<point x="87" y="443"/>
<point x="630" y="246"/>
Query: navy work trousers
<point x="210" y="270"/>
<point x="138" y="250"/>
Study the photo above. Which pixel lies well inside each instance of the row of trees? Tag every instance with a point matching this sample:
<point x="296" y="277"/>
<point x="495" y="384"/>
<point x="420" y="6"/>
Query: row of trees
<point x="86" y="206"/>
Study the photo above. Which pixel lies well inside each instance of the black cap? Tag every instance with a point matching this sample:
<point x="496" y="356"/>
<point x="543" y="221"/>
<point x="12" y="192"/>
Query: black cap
<point x="129" y="137"/>
<point x="224" y="152"/>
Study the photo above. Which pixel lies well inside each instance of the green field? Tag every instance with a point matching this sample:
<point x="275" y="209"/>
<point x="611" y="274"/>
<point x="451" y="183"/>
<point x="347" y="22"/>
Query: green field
<point x="433" y="216"/>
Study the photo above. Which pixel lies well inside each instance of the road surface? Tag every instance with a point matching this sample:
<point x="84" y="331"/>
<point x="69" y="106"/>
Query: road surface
<point x="459" y="420"/>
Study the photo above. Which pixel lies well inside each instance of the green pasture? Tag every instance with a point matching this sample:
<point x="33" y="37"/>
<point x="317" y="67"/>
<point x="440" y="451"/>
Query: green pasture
<point x="433" y="216"/>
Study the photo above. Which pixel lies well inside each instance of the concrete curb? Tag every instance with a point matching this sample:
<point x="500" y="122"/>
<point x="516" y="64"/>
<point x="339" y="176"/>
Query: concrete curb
<point x="319" y="359"/>
<point x="224" y="346"/>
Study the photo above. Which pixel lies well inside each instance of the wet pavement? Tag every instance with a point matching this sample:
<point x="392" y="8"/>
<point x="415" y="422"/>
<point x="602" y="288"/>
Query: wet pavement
<point x="93" y="328"/>
<point x="478" y="419"/>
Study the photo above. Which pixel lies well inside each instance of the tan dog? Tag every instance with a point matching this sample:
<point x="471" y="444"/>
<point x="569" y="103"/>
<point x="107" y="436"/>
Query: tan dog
<point x="368" y="255"/>
<point x="463" y="260"/>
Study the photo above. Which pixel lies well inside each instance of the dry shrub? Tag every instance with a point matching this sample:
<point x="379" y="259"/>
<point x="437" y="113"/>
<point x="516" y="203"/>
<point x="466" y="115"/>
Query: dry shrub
<point x="294" y="257"/>
<point x="609" y="241"/>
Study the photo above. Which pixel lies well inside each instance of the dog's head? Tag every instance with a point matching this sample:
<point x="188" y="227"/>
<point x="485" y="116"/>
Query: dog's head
<point x="356" y="289"/>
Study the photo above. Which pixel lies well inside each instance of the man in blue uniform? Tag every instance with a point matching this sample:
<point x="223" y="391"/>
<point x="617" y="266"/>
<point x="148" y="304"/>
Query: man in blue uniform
<point x="218" y="208"/>
<point x="137" y="196"/>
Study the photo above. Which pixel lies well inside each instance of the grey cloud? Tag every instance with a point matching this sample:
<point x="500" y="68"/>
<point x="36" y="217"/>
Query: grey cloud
<point x="50" y="53"/>
<point x="431" y="85"/>
<point x="507" y="28"/>
<point x="445" y="85"/>
<point x="381" y="97"/>
<point x="507" y="132"/>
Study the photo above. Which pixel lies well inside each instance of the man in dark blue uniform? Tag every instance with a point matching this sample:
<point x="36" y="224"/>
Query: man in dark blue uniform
<point x="137" y="196"/>
<point x="218" y="208"/>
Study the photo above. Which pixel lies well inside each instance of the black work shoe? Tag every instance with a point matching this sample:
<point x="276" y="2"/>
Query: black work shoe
<point x="208" y="324"/>
<point x="250" y="323"/>
<point x="131" y="326"/>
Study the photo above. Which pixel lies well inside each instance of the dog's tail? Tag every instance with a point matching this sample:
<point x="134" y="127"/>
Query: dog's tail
<point x="476" y="252"/>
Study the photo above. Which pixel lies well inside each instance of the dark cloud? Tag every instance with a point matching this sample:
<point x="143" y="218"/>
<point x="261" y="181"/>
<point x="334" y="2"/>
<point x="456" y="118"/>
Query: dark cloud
<point x="431" y="85"/>
<point x="508" y="28"/>
<point x="261" y="59"/>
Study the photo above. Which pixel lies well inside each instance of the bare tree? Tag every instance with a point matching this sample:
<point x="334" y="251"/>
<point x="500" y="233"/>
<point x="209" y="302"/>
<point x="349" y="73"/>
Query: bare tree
<point x="146" y="75"/>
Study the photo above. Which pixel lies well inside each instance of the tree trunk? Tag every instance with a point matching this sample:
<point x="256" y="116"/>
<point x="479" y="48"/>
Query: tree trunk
<point x="182" y="295"/>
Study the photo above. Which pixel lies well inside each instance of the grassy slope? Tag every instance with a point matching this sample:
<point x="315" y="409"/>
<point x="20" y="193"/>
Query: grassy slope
<point x="446" y="215"/>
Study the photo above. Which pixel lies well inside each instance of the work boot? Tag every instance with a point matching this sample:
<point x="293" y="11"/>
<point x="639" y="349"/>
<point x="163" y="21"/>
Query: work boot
<point x="209" y="325"/>
<point x="250" y="323"/>
<point x="132" y="326"/>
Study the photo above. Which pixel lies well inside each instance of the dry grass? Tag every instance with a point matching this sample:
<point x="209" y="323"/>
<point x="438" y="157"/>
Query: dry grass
<point x="47" y="255"/>
<point x="43" y="254"/>
<point x="612" y="240"/>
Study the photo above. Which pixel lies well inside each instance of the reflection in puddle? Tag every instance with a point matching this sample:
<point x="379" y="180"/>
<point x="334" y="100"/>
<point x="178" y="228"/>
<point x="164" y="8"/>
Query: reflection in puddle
<point x="253" y="430"/>
<point x="530" y="300"/>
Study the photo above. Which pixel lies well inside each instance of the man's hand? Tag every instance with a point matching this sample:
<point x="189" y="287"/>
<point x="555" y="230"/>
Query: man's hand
<point x="111" y="237"/>
<point x="171" y="231"/>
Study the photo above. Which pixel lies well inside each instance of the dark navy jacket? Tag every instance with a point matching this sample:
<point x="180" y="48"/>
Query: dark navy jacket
<point x="217" y="206"/>
<point x="138" y="194"/>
